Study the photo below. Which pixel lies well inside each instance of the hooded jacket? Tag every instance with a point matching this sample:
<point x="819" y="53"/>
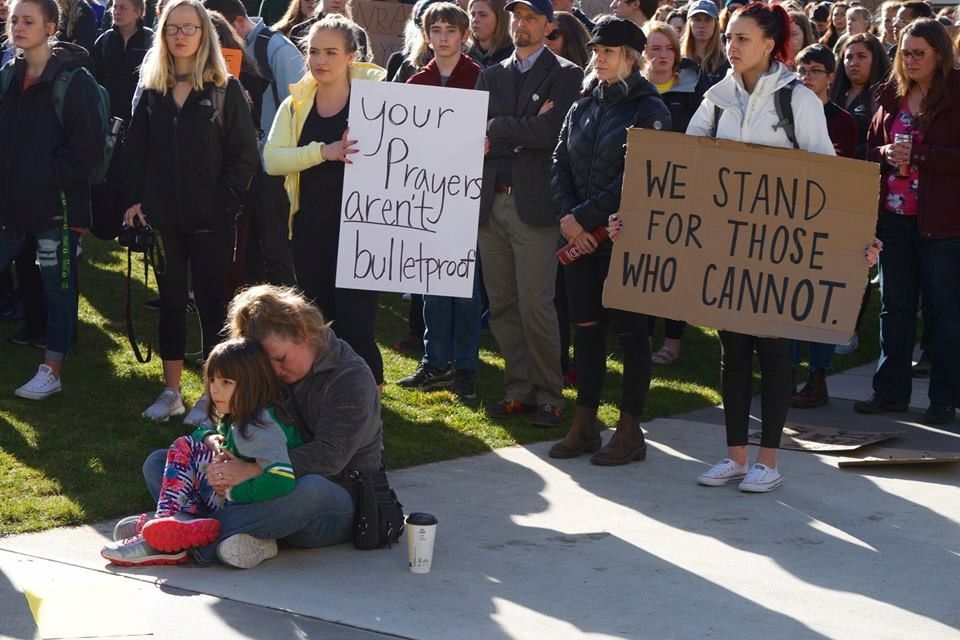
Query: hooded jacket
<point x="187" y="173"/>
<point x="684" y="97"/>
<point x="337" y="410"/>
<point x="938" y="159"/>
<point x="751" y="117"/>
<point x="39" y="157"/>
<point x="282" y="155"/>
<point x="589" y="159"/>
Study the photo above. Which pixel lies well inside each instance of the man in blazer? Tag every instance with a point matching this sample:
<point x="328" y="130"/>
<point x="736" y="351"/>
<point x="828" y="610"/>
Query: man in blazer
<point x="530" y="94"/>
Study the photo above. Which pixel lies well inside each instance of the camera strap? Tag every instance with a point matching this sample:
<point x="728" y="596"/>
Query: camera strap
<point x="64" y="245"/>
<point x="128" y="310"/>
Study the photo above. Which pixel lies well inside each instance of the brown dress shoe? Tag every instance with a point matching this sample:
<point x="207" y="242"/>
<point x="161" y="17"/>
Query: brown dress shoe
<point x="584" y="435"/>
<point x="627" y="444"/>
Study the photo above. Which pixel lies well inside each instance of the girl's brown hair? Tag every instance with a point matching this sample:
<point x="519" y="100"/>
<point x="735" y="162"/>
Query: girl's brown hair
<point x="291" y="18"/>
<point x="501" y="35"/>
<point x="936" y="36"/>
<point x="256" y="386"/>
<point x="49" y="9"/>
<point x="670" y="34"/>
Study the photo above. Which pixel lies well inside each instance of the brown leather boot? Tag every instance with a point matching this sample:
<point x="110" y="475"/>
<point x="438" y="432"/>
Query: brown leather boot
<point x="814" y="393"/>
<point x="626" y="444"/>
<point x="584" y="435"/>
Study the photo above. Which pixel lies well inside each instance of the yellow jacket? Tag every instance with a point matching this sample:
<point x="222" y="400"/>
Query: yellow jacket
<point x="281" y="155"/>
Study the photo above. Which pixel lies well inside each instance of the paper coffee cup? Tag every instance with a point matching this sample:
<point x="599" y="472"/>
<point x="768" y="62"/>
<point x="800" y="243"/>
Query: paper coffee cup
<point x="421" y="533"/>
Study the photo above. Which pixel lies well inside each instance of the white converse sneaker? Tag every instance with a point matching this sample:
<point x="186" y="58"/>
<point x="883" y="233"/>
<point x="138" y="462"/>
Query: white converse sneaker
<point x="761" y="479"/>
<point x="169" y="403"/>
<point x="243" y="551"/>
<point x="42" y="385"/>
<point x="198" y="415"/>
<point x="724" y="472"/>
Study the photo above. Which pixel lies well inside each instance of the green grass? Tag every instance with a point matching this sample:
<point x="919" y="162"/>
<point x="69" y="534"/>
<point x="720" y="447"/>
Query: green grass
<point x="76" y="457"/>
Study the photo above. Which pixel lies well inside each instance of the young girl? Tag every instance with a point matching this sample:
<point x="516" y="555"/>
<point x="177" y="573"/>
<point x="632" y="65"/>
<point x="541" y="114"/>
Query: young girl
<point x="244" y="394"/>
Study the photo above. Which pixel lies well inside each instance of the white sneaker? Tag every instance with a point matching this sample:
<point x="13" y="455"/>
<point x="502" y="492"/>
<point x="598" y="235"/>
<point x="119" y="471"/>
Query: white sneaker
<point x="169" y="403"/>
<point x="848" y="347"/>
<point x="198" y="415"/>
<point x="243" y="551"/>
<point x="724" y="472"/>
<point x="42" y="385"/>
<point x="761" y="479"/>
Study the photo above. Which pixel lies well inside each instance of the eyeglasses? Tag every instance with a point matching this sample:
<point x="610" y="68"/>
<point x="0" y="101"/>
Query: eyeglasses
<point x="554" y="35"/>
<point x="813" y="73"/>
<point x="185" y="29"/>
<point x="916" y="54"/>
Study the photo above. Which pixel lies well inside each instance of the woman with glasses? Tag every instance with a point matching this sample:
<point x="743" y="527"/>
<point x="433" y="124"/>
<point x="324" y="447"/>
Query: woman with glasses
<point x="189" y="155"/>
<point x="757" y="47"/>
<point x="915" y="136"/>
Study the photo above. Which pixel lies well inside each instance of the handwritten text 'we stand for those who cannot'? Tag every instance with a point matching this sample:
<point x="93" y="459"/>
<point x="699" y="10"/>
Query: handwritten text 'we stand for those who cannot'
<point x="416" y="193"/>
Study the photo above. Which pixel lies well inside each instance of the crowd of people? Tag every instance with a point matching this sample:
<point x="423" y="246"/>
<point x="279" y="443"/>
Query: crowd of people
<point x="239" y="174"/>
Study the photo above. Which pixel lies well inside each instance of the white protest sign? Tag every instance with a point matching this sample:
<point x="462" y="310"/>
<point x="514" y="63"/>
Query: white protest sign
<point x="411" y="197"/>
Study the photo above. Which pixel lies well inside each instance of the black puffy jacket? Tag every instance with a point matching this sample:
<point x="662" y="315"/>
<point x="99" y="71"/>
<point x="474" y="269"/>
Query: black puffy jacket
<point x="588" y="161"/>
<point x="187" y="174"/>
<point x="39" y="157"/>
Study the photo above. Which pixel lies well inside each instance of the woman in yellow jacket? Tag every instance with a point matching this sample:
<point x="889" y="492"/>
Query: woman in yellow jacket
<point x="309" y="144"/>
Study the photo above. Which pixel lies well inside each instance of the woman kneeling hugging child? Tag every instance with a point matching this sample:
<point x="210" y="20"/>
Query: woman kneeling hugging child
<point x="246" y="403"/>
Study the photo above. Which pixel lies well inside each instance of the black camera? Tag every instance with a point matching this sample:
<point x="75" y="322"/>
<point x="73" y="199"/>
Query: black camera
<point x="138" y="238"/>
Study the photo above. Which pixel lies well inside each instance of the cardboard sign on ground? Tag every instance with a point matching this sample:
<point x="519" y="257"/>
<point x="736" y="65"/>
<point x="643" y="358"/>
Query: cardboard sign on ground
<point x="752" y="239"/>
<point x="885" y="456"/>
<point x="383" y="22"/>
<point x="803" y="437"/>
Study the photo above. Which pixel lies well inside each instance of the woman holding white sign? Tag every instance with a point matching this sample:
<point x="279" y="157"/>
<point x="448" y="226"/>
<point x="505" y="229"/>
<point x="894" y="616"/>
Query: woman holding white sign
<point x="309" y="144"/>
<point x="743" y="107"/>
<point x="587" y="176"/>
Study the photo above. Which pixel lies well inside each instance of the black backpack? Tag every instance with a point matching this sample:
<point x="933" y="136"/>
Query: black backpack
<point x="263" y="62"/>
<point x="782" y="102"/>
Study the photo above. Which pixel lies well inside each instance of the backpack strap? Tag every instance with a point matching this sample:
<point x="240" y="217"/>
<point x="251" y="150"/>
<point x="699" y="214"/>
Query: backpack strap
<point x="783" y="102"/>
<point x="218" y="97"/>
<point x="263" y="62"/>
<point x="717" y="112"/>
<point x="7" y="75"/>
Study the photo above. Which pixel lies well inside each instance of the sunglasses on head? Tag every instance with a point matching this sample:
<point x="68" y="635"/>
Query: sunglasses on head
<point x="554" y="35"/>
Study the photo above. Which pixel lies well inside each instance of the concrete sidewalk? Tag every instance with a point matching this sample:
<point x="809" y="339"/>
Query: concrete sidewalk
<point x="530" y="547"/>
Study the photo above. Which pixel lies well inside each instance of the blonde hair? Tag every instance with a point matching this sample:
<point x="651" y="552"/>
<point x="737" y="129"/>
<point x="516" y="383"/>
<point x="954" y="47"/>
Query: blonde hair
<point x="629" y="55"/>
<point x="208" y="65"/>
<point x="713" y="58"/>
<point x="268" y="310"/>
<point x="671" y="35"/>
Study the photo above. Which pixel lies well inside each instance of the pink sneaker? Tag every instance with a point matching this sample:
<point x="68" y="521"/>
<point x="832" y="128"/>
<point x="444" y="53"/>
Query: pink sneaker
<point x="180" y="531"/>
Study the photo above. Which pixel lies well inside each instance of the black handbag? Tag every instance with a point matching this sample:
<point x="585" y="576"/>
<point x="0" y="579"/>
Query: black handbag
<point x="378" y="517"/>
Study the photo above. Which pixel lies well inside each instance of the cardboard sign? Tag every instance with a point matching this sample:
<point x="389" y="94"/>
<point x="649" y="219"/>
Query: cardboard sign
<point x="234" y="60"/>
<point x="803" y="437"/>
<point x="384" y="23"/>
<point x="881" y="456"/>
<point x="752" y="239"/>
<point x="411" y="197"/>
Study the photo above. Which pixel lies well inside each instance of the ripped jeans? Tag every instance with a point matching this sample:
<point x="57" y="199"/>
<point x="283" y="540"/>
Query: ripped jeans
<point x="61" y="301"/>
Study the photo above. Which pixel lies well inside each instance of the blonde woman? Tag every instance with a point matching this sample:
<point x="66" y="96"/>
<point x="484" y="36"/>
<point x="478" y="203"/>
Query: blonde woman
<point x="884" y="22"/>
<point x="701" y="46"/>
<point x="489" y="32"/>
<point x="78" y="23"/>
<point x="190" y="153"/>
<point x="309" y="144"/>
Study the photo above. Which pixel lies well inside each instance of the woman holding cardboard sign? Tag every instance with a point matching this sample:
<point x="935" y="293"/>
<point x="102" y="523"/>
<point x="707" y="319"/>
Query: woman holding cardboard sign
<point x="309" y="144"/>
<point x="742" y="107"/>
<point x="915" y="136"/>
<point x="587" y="175"/>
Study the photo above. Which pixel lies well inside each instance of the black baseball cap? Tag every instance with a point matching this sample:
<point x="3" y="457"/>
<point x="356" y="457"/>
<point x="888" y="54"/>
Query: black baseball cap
<point x="617" y="33"/>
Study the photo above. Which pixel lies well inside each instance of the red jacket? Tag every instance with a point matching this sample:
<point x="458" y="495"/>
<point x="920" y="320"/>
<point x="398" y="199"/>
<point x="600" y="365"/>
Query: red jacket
<point x="464" y="75"/>
<point x="938" y="159"/>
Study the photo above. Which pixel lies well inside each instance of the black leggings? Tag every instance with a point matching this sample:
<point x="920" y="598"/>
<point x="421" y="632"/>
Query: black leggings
<point x="207" y="256"/>
<point x="736" y="377"/>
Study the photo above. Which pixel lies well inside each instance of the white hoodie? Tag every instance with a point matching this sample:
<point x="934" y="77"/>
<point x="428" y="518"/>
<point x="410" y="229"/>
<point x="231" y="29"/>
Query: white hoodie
<point x="751" y="117"/>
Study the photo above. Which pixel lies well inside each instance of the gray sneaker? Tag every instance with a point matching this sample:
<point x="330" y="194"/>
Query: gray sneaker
<point x="243" y="551"/>
<point x="198" y="415"/>
<point x="135" y="552"/>
<point x="130" y="527"/>
<point x="169" y="403"/>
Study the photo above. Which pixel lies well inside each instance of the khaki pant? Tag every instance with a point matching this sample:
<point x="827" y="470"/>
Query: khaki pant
<point x="520" y="274"/>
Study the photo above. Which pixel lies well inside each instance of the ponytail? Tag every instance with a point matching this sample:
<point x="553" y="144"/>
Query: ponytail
<point x="775" y="23"/>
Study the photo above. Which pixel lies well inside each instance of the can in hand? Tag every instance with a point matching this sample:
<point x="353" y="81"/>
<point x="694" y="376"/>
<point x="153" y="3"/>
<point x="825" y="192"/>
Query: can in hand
<point x="903" y="137"/>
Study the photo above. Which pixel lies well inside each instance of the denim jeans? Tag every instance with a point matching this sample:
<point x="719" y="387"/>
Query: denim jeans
<point x="899" y="291"/>
<point x="452" y="330"/>
<point x="939" y="276"/>
<point x="61" y="302"/>
<point x="821" y="355"/>
<point x="317" y="513"/>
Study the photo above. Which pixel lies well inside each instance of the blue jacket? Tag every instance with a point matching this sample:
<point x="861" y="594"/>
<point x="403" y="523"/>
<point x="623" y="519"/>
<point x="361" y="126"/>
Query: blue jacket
<point x="286" y="65"/>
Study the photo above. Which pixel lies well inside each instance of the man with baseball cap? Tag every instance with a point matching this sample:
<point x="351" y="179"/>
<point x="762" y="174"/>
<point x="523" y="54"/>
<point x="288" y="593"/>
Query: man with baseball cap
<point x="530" y="94"/>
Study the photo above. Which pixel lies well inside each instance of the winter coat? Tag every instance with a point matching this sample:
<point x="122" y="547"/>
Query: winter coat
<point x="589" y="159"/>
<point x="750" y="117"/>
<point x="937" y="158"/>
<point x="283" y="155"/>
<point x="117" y="67"/>
<point x="337" y="409"/>
<point x="187" y="174"/>
<point x="683" y="99"/>
<point x="84" y="29"/>
<point x="464" y="75"/>
<point x="39" y="156"/>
